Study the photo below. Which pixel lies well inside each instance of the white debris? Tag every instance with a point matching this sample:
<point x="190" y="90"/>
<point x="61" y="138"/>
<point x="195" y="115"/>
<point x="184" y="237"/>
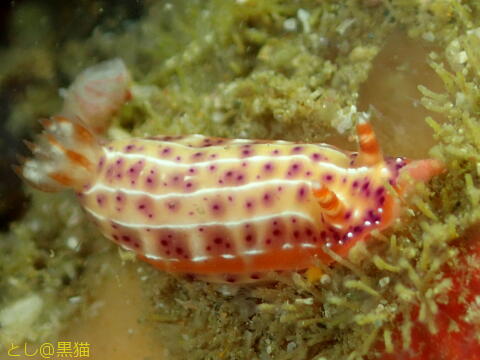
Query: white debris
<point x="325" y="279"/>
<point x="73" y="242"/>
<point x="291" y="346"/>
<point x="428" y="36"/>
<point x="343" y="27"/>
<point x="346" y="118"/>
<point x="475" y="32"/>
<point x="304" y="17"/>
<point x="306" y="301"/>
<point x="384" y="281"/>
<point x="75" y="299"/>
<point x="17" y="319"/>
<point x="290" y="24"/>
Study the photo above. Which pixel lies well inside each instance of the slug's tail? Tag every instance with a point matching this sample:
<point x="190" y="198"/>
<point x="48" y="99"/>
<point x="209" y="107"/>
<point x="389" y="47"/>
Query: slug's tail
<point x="66" y="153"/>
<point x="97" y="93"/>
<point x="64" y="156"/>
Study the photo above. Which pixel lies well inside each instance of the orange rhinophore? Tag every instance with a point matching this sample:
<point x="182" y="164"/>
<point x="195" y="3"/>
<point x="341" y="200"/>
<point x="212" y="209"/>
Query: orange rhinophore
<point x="223" y="209"/>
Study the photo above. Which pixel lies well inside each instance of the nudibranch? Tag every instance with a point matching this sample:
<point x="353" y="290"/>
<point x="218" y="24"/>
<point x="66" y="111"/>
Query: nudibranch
<point x="225" y="210"/>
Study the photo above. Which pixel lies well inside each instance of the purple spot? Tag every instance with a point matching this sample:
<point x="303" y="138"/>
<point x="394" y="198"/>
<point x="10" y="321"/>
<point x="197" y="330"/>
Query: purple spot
<point x="302" y="192"/>
<point x="365" y="186"/>
<point x="135" y="170"/>
<point x="294" y="169"/>
<point x="335" y="234"/>
<point x="212" y="167"/>
<point x="276" y="152"/>
<point x="129" y="148"/>
<point x="372" y="216"/>
<point x="297" y="149"/>
<point x="173" y="205"/>
<point x="268" y="167"/>
<point x="101" y="199"/>
<point x="357" y="229"/>
<point x="328" y="177"/>
<point x="101" y="162"/>
<point x="197" y="155"/>
<point x="355" y="184"/>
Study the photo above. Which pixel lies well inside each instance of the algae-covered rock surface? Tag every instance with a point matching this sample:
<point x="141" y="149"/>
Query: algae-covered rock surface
<point x="268" y="69"/>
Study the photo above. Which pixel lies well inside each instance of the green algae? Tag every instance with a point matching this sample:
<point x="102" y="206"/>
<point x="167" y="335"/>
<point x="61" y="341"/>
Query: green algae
<point x="259" y="69"/>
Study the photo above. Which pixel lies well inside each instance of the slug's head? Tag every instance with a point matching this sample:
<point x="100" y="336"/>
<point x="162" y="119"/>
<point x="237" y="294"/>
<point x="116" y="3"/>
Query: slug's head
<point x="369" y="196"/>
<point x="405" y="173"/>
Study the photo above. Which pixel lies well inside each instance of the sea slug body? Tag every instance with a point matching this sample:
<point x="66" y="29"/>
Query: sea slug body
<point x="228" y="210"/>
